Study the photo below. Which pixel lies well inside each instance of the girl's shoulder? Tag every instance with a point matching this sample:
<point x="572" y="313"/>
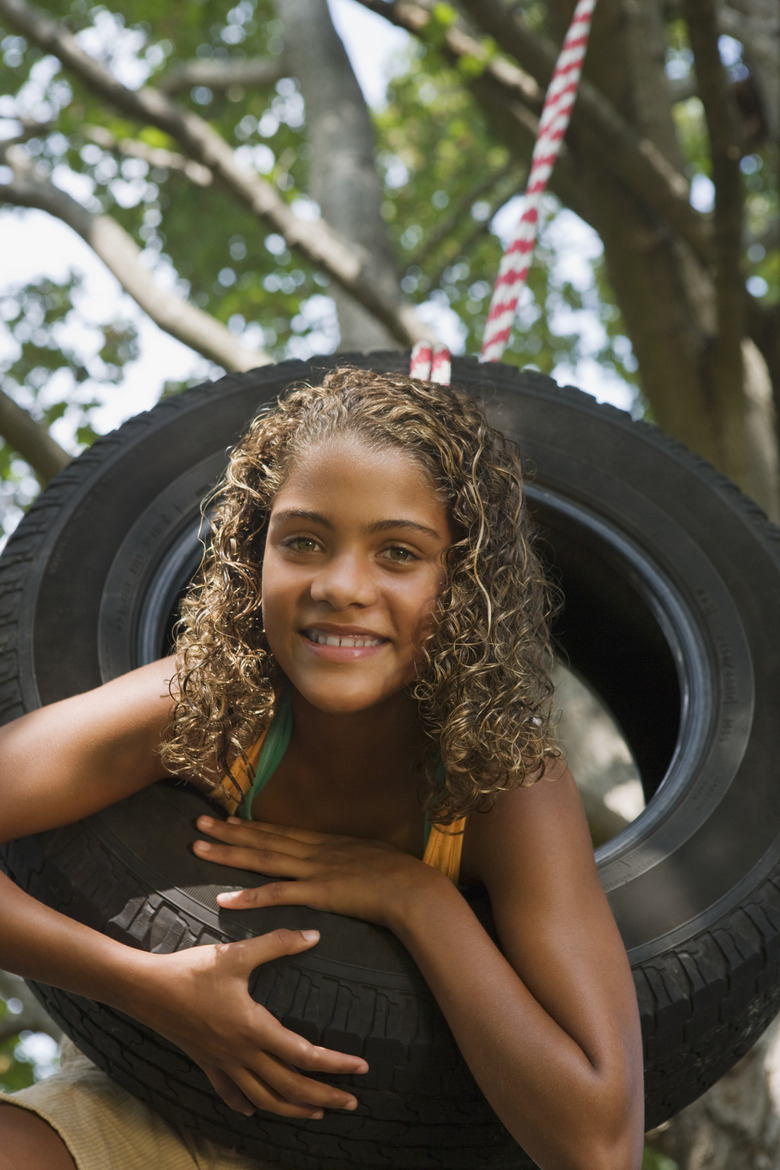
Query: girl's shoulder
<point x="534" y="836"/>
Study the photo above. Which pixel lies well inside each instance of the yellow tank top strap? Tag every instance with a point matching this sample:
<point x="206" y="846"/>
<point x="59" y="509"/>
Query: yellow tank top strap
<point x="442" y="851"/>
<point x="444" y="848"/>
<point x="230" y="791"/>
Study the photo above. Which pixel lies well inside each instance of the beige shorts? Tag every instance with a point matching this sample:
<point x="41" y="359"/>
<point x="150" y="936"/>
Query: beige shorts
<point x="105" y="1128"/>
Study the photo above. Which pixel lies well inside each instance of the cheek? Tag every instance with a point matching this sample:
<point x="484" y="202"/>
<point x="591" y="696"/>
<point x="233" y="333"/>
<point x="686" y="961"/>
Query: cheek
<point x="277" y="583"/>
<point x="272" y="599"/>
<point x="276" y="625"/>
<point x="426" y="617"/>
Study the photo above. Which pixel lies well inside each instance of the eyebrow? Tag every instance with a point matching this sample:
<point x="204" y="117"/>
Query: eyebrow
<point x="377" y="526"/>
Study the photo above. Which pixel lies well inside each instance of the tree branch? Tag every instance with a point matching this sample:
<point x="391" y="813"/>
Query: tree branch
<point x="511" y="99"/>
<point x="253" y="73"/>
<point x="122" y="257"/>
<point x="415" y="16"/>
<point x="156" y="156"/>
<point x="725" y="150"/>
<point x="31" y="439"/>
<point x="436" y="275"/>
<point x="756" y="24"/>
<point x="449" y="224"/>
<point x="503" y="188"/>
<point x="635" y="161"/>
<point x="638" y="164"/>
<point x="351" y="267"/>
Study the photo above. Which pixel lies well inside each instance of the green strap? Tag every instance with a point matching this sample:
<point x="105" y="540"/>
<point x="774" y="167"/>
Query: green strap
<point x="275" y="744"/>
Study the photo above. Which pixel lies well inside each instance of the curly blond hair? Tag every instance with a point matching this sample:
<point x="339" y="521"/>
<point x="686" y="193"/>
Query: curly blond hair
<point x="483" y="692"/>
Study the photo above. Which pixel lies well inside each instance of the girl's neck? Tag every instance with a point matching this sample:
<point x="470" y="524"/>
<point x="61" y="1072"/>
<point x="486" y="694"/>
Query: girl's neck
<point x="353" y="749"/>
<point x="357" y="774"/>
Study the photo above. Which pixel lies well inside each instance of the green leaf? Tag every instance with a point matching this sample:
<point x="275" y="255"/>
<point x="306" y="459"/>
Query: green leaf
<point x="653" y="1160"/>
<point x="444" y="14"/>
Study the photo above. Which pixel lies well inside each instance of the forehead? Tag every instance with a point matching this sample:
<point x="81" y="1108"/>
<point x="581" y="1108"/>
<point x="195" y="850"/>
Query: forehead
<point x="351" y="473"/>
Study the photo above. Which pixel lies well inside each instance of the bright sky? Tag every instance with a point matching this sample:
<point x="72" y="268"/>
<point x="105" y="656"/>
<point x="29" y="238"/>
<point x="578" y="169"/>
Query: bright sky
<point x="33" y="244"/>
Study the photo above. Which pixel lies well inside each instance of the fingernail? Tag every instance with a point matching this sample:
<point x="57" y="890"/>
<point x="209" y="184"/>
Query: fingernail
<point x="202" y="846"/>
<point x="351" y="1105"/>
<point x="234" y="820"/>
<point x="205" y="822"/>
<point x="310" y="935"/>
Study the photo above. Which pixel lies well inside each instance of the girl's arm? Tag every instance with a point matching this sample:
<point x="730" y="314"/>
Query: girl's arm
<point x="548" y="1024"/>
<point x="65" y="761"/>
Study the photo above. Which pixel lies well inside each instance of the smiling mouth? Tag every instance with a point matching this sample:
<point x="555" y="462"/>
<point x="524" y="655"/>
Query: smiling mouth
<point x="353" y="641"/>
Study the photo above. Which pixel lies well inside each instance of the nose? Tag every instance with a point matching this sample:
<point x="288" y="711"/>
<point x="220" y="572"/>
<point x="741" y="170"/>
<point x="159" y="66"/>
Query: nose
<point x="343" y="581"/>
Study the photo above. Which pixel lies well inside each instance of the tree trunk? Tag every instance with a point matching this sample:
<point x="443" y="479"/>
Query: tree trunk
<point x="343" y="176"/>
<point x="706" y="382"/>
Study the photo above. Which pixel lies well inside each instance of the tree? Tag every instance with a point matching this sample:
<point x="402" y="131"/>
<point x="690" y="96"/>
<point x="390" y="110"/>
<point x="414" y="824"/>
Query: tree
<point x="671" y="158"/>
<point x="222" y="162"/>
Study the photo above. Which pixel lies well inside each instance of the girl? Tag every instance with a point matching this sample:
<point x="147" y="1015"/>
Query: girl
<point x="361" y="675"/>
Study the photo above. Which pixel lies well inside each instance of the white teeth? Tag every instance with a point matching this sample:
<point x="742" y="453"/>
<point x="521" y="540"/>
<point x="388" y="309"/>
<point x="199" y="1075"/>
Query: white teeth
<point x="341" y="640"/>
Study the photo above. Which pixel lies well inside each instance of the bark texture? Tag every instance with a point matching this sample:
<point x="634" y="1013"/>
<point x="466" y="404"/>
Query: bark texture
<point x="343" y="178"/>
<point x="360" y="274"/>
<point x="706" y="350"/>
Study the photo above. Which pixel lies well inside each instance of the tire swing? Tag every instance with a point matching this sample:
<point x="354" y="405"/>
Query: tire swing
<point x="671" y="580"/>
<point x="666" y="617"/>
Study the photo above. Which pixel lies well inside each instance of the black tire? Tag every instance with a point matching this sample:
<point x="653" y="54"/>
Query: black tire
<point x="672" y="584"/>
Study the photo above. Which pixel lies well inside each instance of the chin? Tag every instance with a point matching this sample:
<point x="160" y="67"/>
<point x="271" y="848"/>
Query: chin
<point x="332" y="701"/>
<point x="338" y="705"/>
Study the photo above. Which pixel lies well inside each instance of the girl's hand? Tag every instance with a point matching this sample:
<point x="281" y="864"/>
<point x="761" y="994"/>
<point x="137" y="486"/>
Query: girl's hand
<point x="370" y="880"/>
<point x="199" y="999"/>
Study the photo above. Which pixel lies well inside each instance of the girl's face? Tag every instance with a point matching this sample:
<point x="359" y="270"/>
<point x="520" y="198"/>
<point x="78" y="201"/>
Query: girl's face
<point x="353" y="564"/>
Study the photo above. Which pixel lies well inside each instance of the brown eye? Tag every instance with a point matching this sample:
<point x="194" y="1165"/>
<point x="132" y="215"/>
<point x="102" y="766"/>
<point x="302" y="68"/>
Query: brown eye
<point x="300" y="544"/>
<point x="400" y="555"/>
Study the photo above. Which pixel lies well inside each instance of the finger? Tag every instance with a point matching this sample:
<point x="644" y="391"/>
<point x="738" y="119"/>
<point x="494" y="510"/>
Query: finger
<point x="277" y="1087"/>
<point x="287" y="832"/>
<point x="290" y="1088"/>
<point x="253" y="858"/>
<point x="314" y="1058"/>
<point x="239" y="899"/>
<point x="293" y="1101"/>
<point x="248" y="831"/>
<point x="258" y="1095"/>
<point x="284" y="893"/>
<point x="271" y="1102"/>
<point x="295" y="1054"/>
<point x="228" y="1090"/>
<point x="244" y="956"/>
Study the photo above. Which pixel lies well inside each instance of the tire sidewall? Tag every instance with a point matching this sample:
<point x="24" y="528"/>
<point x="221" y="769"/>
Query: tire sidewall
<point x="116" y="537"/>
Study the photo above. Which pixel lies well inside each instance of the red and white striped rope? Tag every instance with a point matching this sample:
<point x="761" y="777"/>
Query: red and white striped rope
<point x="516" y="261"/>
<point x="431" y="363"/>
